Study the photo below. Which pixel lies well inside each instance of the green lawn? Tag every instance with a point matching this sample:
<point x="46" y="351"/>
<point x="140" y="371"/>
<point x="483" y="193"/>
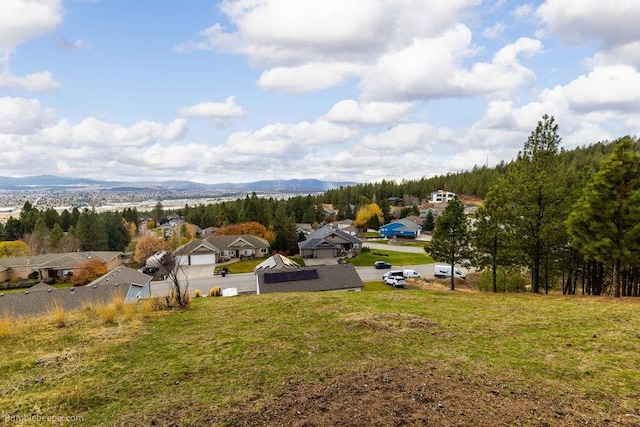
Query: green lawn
<point x="249" y="265"/>
<point x="227" y="356"/>
<point x="365" y="259"/>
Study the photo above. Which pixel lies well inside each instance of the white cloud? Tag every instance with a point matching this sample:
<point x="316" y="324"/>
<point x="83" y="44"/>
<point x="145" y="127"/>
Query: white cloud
<point x="522" y="11"/>
<point x="614" y="88"/>
<point x="431" y="68"/>
<point x="70" y="44"/>
<point x="580" y="22"/>
<point x="22" y="116"/>
<point x="216" y="112"/>
<point x="350" y="111"/>
<point x="494" y="31"/>
<point x="24" y="20"/>
<point x="307" y="78"/>
<point x="286" y="140"/>
<point x="306" y="46"/>
<point x="35" y="82"/>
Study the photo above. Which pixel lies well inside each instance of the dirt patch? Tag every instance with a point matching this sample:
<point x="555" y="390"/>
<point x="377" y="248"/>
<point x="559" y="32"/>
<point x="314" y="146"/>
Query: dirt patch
<point x="391" y="322"/>
<point x="419" y="396"/>
<point x="468" y="285"/>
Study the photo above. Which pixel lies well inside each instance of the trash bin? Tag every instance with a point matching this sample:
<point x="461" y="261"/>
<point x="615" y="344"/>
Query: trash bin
<point x="223" y="272"/>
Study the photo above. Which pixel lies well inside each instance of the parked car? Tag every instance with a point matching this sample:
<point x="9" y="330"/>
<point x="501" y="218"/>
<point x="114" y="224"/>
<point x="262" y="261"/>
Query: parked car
<point x="397" y="273"/>
<point x="410" y="274"/>
<point x="445" y="271"/>
<point x="395" y="281"/>
<point x="381" y="264"/>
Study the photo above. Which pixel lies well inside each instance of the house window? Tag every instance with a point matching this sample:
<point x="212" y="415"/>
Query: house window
<point x="225" y="253"/>
<point x="247" y="252"/>
<point x="263" y="250"/>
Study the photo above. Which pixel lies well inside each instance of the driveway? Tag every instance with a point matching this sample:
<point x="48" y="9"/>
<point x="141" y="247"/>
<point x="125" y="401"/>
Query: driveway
<point x="201" y="276"/>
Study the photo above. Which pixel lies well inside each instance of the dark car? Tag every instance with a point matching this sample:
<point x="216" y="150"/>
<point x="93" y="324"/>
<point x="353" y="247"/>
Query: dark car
<point x="381" y="264"/>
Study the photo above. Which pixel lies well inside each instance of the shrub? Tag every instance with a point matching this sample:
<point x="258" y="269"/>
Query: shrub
<point x="197" y="293"/>
<point x="365" y="249"/>
<point x="59" y="315"/>
<point x="147" y="306"/>
<point x="6" y="325"/>
<point x="214" y="292"/>
<point x="107" y="313"/>
<point x="509" y="279"/>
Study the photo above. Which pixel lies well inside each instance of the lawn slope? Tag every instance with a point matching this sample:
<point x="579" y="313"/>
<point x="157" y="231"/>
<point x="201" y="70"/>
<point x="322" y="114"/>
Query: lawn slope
<point x="407" y="357"/>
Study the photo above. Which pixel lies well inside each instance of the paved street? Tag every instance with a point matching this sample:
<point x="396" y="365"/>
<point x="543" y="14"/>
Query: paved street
<point x="201" y="276"/>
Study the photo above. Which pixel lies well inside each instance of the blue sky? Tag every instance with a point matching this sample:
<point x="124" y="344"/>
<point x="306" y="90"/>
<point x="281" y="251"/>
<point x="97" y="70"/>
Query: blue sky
<point x="359" y="90"/>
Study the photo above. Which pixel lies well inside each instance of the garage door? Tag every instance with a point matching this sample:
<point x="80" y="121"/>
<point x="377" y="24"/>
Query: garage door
<point x="202" y="259"/>
<point x="325" y="253"/>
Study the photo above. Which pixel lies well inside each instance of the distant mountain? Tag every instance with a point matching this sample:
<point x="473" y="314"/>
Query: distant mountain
<point x="49" y="182"/>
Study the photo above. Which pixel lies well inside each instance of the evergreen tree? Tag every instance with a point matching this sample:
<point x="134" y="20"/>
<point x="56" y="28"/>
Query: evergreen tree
<point x="28" y="217"/>
<point x="91" y="231"/>
<point x="13" y="229"/>
<point x="605" y="223"/>
<point x="429" y="222"/>
<point x="55" y="236"/>
<point x="493" y="238"/>
<point x="284" y="227"/>
<point x="117" y="233"/>
<point x="450" y="240"/>
<point x="65" y="220"/>
<point x="534" y="191"/>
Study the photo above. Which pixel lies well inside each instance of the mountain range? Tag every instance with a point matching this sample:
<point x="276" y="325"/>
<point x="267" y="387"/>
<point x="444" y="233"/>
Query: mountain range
<point x="49" y="182"/>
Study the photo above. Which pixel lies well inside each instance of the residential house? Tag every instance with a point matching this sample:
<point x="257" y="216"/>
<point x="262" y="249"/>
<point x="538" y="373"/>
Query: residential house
<point x="137" y="283"/>
<point x="280" y="274"/>
<point x="122" y="283"/>
<point x="39" y="299"/>
<point x="327" y="242"/>
<point x="54" y="266"/>
<point x="442" y="196"/>
<point x="346" y="225"/>
<point x="214" y="249"/>
<point x="400" y="228"/>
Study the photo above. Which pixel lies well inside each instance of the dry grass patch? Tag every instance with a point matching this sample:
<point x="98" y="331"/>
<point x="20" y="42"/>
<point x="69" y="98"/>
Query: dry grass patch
<point x="58" y="315"/>
<point x="7" y="326"/>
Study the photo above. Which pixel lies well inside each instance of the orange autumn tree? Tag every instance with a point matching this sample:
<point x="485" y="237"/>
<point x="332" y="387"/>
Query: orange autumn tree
<point x="147" y="246"/>
<point x="88" y="271"/>
<point x="252" y="228"/>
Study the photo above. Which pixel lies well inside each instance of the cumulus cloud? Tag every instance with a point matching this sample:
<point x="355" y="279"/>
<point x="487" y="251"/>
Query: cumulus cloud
<point x="306" y="46"/>
<point x="216" y="112"/>
<point x="494" y="31"/>
<point x="34" y="82"/>
<point x="308" y="77"/>
<point x="23" y="116"/>
<point x="352" y="112"/>
<point x="431" y="68"/>
<point x="22" y="20"/>
<point x="580" y="22"/>
<point x="286" y="140"/>
<point x="614" y="88"/>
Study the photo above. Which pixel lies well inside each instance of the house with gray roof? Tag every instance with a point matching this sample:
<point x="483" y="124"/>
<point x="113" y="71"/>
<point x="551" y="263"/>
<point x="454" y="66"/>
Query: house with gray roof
<point x="56" y="265"/>
<point x="122" y="283"/>
<point x="215" y="249"/>
<point x="327" y="242"/>
<point x="280" y="274"/>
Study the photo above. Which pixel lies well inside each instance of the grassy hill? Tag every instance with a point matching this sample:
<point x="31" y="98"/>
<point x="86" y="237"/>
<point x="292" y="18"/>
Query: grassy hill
<point x="405" y="357"/>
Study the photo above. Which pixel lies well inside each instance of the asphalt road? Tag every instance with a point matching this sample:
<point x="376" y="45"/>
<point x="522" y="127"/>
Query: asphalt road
<point x="202" y="278"/>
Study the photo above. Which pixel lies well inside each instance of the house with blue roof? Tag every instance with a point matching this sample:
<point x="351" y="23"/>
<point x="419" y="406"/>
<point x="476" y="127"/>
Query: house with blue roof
<point x="400" y="228"/>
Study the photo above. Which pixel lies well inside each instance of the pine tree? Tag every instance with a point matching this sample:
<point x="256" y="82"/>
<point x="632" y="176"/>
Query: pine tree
<point x="605" y="223"/>
<point x="450" y="240"/>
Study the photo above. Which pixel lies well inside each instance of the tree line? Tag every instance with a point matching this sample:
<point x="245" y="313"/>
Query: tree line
<point x="46" y="231"/>
<point x="567" y="218"/>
